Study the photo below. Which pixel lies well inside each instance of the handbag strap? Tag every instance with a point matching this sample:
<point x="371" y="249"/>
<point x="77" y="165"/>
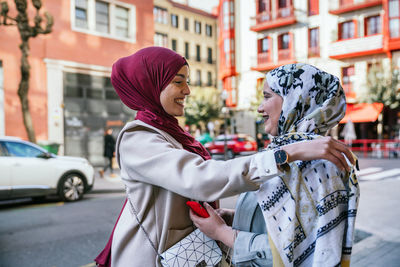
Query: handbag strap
<point x="133" y="211"/>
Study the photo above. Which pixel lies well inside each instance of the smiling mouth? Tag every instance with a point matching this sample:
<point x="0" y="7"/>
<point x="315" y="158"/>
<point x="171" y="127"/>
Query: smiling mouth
<point x="180" y="102"/>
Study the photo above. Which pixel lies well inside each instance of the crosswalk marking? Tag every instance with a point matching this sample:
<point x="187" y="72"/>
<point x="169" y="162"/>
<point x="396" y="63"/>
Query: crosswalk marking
<point x="368" y="171"/>
<point x="379" y="175"/>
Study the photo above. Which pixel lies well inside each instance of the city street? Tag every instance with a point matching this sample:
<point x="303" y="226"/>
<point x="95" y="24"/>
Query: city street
<point x="54" y="233"/>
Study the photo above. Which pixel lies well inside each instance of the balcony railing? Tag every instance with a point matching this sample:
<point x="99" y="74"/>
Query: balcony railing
<point x="275" y="18"/>
<point x="357" y="46"/>
<point x="348" y="6"/>
<point x="284" y="54"/>
<point x="263" y="58"/>
<point x="313" y="51"/>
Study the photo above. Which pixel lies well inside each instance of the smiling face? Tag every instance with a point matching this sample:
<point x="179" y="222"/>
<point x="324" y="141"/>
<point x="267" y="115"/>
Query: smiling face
<point x="173" y="96"/>
<point x="270" y="108"/>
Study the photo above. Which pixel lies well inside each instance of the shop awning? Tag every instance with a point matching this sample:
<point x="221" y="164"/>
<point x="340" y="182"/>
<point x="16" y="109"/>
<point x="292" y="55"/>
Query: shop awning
<point x="362" y="112"/>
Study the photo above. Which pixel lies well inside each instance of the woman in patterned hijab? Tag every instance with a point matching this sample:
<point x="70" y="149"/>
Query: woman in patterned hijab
<point x="310" y="208"/>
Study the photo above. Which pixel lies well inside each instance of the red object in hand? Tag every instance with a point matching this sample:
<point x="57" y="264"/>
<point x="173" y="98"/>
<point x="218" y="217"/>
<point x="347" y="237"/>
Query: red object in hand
<point x="198" y="209"/>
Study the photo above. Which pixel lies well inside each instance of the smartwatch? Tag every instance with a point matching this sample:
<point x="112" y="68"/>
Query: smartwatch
<point x="281" y="157"/>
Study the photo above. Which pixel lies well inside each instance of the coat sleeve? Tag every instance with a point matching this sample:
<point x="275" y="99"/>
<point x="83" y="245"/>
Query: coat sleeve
<point x="148" y="157"/>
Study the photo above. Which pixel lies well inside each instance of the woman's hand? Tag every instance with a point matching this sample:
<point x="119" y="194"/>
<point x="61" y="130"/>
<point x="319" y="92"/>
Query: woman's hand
<point x="226" y="215"/>
<point x="214" y="226"/>
<point x="321" y="148"/>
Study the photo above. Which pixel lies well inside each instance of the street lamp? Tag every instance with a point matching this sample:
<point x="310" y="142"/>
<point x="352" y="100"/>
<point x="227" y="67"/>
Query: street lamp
<point x="225" y="110"/>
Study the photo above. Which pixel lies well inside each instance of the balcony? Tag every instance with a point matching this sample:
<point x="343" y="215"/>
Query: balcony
<point x="265" y="61"/>
<point x="275" y="19"/>
<point x="348" y="6"/>
<point x="356" y="47"/>
<point x="313" y="51"/>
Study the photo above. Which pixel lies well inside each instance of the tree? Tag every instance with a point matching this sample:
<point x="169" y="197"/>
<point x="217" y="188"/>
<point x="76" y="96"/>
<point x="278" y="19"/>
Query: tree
<point x="202" y="105"/>
<point x="383" y="87"/>
<point x="26" y="32"/>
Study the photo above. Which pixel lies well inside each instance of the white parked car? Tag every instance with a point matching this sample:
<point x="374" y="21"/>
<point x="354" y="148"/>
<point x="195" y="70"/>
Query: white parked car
<point x="27" y="170"/>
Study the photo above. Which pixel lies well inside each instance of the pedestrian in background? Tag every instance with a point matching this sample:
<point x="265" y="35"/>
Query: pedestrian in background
<point x="109" y="151"/>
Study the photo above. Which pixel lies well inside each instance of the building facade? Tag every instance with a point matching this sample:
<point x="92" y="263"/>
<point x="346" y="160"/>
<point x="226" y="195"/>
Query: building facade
<point x="346" y="38"/>
<point x="71" y="97"/>
<point x="192" y="33"/>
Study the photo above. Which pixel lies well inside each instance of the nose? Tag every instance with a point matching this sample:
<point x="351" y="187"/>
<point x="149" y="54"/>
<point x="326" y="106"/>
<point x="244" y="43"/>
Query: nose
<point x="186" y="90"/>
<point x="260" y="108"/>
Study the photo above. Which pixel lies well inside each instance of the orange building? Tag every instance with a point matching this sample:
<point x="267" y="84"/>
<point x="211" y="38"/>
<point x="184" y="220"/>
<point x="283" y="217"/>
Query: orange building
<point x="343" y="37"/>
<point x="70" y="94"/>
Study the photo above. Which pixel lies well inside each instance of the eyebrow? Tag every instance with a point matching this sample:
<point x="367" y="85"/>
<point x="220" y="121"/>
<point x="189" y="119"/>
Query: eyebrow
<point x="180" y="75"/>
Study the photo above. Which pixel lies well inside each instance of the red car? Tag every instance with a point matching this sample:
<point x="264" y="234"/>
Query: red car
<point x="237" y="144"/>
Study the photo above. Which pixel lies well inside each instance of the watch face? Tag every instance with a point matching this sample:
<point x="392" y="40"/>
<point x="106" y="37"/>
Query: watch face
<point x="280" y="157"/>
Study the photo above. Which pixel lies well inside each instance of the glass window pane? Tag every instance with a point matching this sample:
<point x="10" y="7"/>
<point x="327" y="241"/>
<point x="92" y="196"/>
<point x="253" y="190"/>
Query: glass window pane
<point x="102" y="17"/>
<point x="393" y="8"/>
<point x="22" y="150"/>
<point x="81" y="4"/>
<point x="394" y="28"/>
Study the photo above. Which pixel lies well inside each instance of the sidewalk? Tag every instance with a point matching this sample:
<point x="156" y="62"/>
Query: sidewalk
<point x="110" y="183"/>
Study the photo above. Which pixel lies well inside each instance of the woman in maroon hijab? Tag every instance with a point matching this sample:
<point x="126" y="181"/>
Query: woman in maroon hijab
<point x="163" y="166"/>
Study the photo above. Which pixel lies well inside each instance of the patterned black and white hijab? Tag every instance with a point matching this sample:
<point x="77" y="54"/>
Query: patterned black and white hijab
<point x="310" y="208"/>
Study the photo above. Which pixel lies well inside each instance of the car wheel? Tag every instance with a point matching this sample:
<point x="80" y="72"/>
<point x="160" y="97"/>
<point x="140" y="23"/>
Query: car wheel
<point x="230" y="154"/>
<point x="71" y="187"/>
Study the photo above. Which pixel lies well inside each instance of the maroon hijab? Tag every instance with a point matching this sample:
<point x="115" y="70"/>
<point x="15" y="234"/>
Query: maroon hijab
<point x="139" y="79"/>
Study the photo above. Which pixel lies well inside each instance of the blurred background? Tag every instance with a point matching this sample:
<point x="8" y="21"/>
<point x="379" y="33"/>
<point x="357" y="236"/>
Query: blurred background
<point x="56" y="100"/>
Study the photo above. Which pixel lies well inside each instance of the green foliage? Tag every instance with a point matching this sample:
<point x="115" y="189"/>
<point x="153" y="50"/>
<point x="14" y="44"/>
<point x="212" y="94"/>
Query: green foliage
<point x="203" y="105"/>
<point x="383" y="86"/>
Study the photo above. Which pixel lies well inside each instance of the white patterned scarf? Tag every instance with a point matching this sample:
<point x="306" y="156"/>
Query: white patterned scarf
<point x="310" y="209"/>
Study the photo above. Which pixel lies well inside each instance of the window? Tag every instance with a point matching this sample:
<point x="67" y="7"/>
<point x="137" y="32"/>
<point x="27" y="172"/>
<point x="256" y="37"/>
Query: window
<point x="81" y="14"/>
<point x="198" y="56"/>
<point x="174" y="21"/>
<point x="198" y="77"/>
<point x="22" y="150"/>
<point x="186" y="50"/>
<point x="313" y="7"/>
<point x="102" y="17"/>
<point x="209" y="78"/>
<point x="122" y="21"/>
<point x="284" y="8"/>
<point x="228" y="15"/>
<point x="394" y="18"/>
<point x="107" y="18"/>
<point x="262" y="5"/>
<point x="197" y="27"/>
<point x="160" y="15"/>
<point x="284" y="51"/>
<point x="372" y="25"/>
<point x="186" y="24"/>
<point x="347" y="30"/>
<point x="347" y="79"/>
<point x="173" y="44"/>
<point x="313" y="42"/>
<point x="229" y="51"/>
<point x="264" y="45"/>
<point x="209" y="55"/>
<point x="160" y="39"/>
<point x="283" y="41"/>
<point x="208" y="30"/>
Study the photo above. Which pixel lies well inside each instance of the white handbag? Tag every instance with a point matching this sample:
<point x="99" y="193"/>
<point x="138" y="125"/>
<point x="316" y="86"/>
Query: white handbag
<point x="195" y="250"/>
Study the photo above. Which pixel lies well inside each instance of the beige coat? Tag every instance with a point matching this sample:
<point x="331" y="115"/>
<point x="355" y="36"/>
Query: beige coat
<point x="160" y="177"/>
